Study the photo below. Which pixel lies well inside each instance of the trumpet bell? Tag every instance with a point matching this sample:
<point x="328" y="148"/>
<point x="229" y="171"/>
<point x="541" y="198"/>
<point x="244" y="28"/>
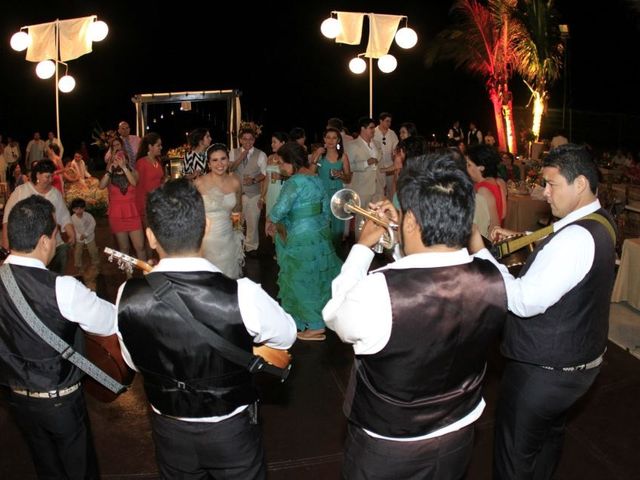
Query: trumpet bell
<point x="340" y="200"/>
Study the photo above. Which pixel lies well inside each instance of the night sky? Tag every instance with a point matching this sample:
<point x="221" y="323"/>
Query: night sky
<point x="290" y="75"/>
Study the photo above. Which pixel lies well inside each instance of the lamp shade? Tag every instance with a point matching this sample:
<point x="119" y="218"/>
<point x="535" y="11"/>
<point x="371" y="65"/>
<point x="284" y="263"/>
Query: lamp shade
<point x="330" y="28"/>
<point x="406" y="37"/>
<point x="387" y="63"/>
<point x="20" y="41"/>
<point x="357" y="65"/>
<point x="45" y="69"/>
<point x="98" y="31"/>
<point x="66" y="84"/>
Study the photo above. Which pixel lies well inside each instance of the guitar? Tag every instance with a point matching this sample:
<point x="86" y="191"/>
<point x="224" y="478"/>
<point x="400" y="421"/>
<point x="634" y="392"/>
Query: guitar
<point x="511" y="252"/>
<point x="273" y="356"/>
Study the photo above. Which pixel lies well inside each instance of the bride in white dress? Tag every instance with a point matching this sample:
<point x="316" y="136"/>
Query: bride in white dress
<point x="221" y="192"/>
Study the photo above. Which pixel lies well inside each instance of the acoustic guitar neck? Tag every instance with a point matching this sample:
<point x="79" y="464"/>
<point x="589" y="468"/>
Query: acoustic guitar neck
<point x="123" y="257"/>
<point x="510" y="246"/>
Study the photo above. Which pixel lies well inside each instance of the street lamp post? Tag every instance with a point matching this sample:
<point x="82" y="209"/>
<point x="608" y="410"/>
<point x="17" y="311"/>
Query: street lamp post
<point x="346" y="27"/>
<point x="564" y="36"/>
<point x="55" y="43"/>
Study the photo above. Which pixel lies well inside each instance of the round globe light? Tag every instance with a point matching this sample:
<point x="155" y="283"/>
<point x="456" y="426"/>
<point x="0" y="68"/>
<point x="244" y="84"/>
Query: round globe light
<point x="330" y="28"/>
<point x="66" y="84"/>
<point x="45" y="69"/>
<point x="20" y="41"/>
<point x="406" y="37"/>
<point x="357" y="65"/>
<point x="387" y="63"/>
<point x="98" y="31"/>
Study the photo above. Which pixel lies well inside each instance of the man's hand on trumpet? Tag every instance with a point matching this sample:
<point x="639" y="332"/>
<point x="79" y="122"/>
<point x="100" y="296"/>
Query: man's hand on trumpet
<point x="371" y="232"/>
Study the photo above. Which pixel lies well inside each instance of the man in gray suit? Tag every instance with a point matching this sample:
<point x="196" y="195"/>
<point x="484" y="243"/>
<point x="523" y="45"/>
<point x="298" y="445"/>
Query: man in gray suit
<point x="364" y="157"/>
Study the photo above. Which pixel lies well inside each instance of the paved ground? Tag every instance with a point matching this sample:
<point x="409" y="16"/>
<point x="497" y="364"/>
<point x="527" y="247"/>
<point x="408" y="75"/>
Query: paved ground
<point x="304" y="426"/>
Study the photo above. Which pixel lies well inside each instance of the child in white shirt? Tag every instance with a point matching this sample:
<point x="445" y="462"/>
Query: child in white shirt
<point x="85" y="226"/>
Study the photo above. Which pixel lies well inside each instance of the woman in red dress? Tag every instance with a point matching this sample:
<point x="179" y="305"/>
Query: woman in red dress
<point x="124" y="219"/>
<point x="150" y="174"/>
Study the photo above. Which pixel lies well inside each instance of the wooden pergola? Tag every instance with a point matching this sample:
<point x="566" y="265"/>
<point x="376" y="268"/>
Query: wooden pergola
<point x="232" y="97"/>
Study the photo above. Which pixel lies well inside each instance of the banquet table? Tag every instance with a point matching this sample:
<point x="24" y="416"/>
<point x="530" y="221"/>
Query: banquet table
<point x="523" y="212"/>
<point x="627" y="286"/>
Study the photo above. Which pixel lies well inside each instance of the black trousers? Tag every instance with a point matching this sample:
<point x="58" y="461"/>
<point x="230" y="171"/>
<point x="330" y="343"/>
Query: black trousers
<point x="530" y="419"/>
<point x="440" y="458"/>
<point x="58" y="434"/>
<point x="229" y="450"/>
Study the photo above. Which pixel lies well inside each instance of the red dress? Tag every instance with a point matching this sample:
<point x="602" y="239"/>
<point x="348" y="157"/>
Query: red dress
<point x="123" y="213"/>
<point x="496" y="192"/>
<point x="149" y="178"/>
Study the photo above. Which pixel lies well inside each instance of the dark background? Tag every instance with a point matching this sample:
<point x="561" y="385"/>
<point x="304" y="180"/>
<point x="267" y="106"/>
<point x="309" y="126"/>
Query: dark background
<point x="290" y="75"/>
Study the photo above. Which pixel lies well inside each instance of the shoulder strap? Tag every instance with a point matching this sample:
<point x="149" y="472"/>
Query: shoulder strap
<point x="54" y="341"/>
<point x="164" y="292"/>
<point x="604" y="222"/>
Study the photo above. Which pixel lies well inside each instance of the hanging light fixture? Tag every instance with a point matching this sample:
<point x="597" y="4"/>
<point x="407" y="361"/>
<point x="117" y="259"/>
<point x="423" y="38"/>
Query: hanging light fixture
<point x="98" y="31"/>
<point x="406" y="37"/>
<point x="387" y="63"/>
<point x="66" y="84"/>
<point x="20" y="41"/>
<point x="45" y="69"/>
<point x="330" y="28"/>
<point x="357" y="65"/>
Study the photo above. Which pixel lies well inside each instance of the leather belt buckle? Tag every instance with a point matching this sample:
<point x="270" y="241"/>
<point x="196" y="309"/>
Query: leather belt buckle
<point x="50" y="394"/>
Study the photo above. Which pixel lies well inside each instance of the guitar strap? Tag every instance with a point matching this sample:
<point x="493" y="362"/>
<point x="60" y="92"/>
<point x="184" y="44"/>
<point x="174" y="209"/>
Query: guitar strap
<point x="164" y="292"/>
<point x="604" y="222"/>
<point x="54" y="341"/>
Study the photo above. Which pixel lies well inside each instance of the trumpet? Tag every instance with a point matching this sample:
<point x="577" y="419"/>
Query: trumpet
<point x="346" y="202"/>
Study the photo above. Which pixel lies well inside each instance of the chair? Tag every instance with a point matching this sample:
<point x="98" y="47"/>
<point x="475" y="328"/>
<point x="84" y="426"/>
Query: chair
<point x="631" y="215"/>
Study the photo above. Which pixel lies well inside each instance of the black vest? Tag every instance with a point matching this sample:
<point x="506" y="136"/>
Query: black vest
<point x="183" y="375"/>
<point x="26" y="361"/>
<point x="574" y="330"/>
<point x="430" y="372"/>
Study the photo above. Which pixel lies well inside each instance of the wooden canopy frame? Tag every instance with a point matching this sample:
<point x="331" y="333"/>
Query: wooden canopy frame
<point x="232" y="97"/>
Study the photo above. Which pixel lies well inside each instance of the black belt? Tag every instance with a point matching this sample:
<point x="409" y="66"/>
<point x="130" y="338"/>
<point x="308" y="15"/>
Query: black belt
<point x="585" y="366"/>
<point x="50" y="394"/>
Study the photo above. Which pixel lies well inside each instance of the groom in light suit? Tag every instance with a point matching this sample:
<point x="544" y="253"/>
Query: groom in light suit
<point x="364" y="156"/>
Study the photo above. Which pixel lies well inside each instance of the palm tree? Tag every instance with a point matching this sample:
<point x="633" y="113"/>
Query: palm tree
<point x="481" y="42"/>
<point x="538" y="49"/>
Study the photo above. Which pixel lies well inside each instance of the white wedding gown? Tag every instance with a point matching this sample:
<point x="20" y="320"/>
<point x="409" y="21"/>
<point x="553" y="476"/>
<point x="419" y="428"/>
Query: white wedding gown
<point x="223" y="246"/>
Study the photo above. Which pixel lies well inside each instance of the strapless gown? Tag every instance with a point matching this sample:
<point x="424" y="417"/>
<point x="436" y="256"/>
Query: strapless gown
<point x="223" y="245"/>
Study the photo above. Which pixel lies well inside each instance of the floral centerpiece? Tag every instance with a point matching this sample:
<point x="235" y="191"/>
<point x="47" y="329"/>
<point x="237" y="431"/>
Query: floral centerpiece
<point x="178" y="152"/>
<point x="533" y="174"/>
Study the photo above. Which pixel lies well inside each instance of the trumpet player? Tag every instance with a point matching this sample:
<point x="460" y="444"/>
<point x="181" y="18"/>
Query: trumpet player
<point x="420" y="328"/>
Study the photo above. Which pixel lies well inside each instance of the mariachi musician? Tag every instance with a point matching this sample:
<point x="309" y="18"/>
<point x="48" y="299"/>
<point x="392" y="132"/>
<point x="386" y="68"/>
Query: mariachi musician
<point x="44" y="394"/>
<point x="420" y="328"/>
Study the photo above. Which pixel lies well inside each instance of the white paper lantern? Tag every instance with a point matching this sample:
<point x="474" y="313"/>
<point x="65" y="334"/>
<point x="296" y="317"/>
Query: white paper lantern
<point x="45" y="69"/>
<point x="357" y="65"/>
<point x="98" y="31"/>
<point x="406" y="37"/>
<point x="66" y="84"/>
<point x="330" y="28"/>
<point x="20" y="41"/>
<point x="387" y="63"/>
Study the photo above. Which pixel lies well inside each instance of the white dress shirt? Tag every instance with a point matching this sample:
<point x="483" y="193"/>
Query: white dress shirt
<point x="558" y="267"/>
<point x="263" y="318"/>
<point x="76" y="302"/>
<point x="360" y="310"/>
<point x="262" y="159"/>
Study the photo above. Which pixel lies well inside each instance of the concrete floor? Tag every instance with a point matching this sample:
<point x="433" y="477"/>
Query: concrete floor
<point x="304" y="426"/>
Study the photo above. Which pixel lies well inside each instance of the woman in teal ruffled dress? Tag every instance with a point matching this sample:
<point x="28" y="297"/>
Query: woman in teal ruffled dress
<point x="299" y="222"/>
<point x="334" y="171"/>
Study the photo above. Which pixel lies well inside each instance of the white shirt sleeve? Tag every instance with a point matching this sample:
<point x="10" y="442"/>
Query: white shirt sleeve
<point x="262" y="163"/>
<point x="263" y="318"/>
<point x="126" y="356"/>
<point x="80" y="305"/>
<point x="360" y="308"/>
<point x="558" y="267"/>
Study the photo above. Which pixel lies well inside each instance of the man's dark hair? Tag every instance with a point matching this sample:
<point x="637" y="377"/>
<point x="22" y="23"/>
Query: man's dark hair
<point x="77" y="203"/>
<point x="384" y="116"/>
<point x="42" y="166"/>
<point x="295" y="154"/>
<point x="486" y="156"/>
<point x="29" y="219"/>
<point x="175" y="214"/>
<point x="297" y="133"/>
<point x="364" y="122"/>
<point x="441" y="198"/>
<point x="196" y="136"/>
<point x="573" y="160"/>
<point x="413" y="146"/>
